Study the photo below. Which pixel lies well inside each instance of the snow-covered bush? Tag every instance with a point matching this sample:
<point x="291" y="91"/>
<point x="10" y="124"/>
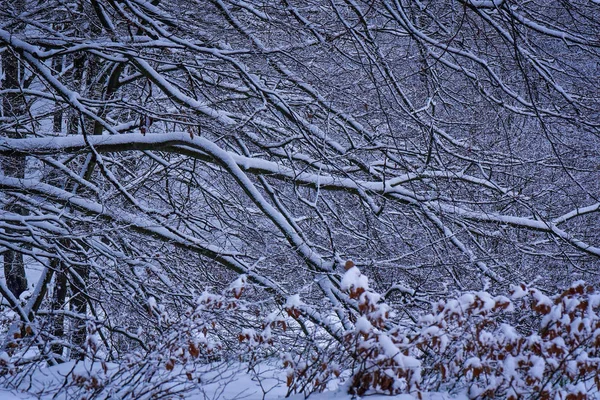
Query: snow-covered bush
<point x="200" y="346"/>
<point x="522" y="345"/>
<point x="476" y="341"/>
<point x="371" y="355"/>
<point x="380" y="356"/>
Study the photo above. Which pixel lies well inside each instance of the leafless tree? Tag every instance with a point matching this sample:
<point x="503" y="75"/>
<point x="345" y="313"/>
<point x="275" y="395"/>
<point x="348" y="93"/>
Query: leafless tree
<point x="154" y="149"/>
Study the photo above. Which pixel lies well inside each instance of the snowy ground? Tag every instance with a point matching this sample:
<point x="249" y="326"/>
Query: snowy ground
<point x="254" y="393"/>
<point x="9" y="395"/>
<point x="239" y="385"/>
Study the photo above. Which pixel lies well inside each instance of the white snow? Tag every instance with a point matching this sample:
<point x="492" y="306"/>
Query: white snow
<point x="353" y="278"/>
<point x="237" y="383"/>
<point x="363" y="325"/>
<point x="293" y="301"/>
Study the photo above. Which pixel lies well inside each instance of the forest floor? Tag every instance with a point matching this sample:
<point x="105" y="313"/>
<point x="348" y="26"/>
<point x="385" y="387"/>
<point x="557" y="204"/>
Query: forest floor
<point x="49" y="384"/>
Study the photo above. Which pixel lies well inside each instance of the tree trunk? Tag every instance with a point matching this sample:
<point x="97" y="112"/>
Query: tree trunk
<point x="58" y="304"/>
<point x="13" y="107"/>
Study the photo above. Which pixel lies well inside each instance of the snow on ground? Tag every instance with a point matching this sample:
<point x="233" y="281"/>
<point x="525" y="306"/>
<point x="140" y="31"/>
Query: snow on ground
<point x="6" y="394"/>
<point x="252" y="392"/>
<point x="235" y="385"/>
<point x="238" y="384"/>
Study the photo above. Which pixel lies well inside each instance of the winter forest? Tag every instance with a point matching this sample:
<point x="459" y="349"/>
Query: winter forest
<point x="258" y="199"/>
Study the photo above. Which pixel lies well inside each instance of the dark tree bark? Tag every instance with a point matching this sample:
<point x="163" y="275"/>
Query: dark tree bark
<point x="13" y="107"/>
<point x="58" y="303"/>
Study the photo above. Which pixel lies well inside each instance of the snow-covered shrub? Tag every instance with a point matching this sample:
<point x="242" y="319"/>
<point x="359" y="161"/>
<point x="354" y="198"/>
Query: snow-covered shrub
<point x="476" y="342"/>
<point x="521" y="345"/>
<point x="308" y="354"/>
<point x="515" y="346"/>
<point x="310" y="368"/>
<point x="380" y="356"/>
<point x="200" y="346"/>
<point x="375" y="355"/>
